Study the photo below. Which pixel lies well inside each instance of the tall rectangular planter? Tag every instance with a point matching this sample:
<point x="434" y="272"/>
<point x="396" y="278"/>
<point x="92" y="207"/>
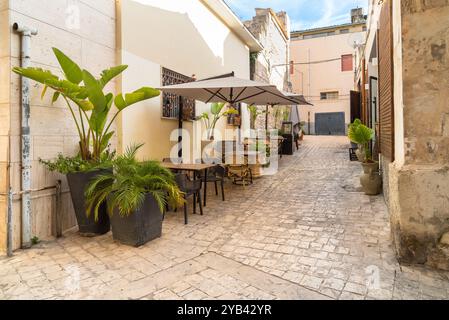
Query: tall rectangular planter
<point x="141" y="226"/>
<point x="87" y="225"/>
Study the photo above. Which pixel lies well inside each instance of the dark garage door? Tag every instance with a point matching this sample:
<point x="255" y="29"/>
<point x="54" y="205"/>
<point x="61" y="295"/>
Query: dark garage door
<point x="330" y="124"/>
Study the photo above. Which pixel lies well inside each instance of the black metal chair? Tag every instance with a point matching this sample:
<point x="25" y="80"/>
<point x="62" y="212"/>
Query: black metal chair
<point x="216" y="174"/>
<point x="190" y="188"/>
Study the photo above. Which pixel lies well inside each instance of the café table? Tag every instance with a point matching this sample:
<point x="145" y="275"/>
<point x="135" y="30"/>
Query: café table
<point x="193" y="167"/>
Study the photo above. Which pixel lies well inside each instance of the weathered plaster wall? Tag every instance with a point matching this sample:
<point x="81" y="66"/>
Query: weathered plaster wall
<point x="83" y="29"/>
<point x="418" y="180"/>
<point x="270" y="65"/>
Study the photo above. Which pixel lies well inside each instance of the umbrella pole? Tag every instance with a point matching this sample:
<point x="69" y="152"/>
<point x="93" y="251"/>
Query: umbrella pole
<point x="180" y="127"/>
<point x="266" y="118"/>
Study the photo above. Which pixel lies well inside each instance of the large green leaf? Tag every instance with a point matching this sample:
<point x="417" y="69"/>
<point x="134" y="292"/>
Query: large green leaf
<point x="72" y="71"/>
<point x="94" y="92"/>
<point x="65" y="87"/>
<point x="98" y="117"/>
<point x="216" y="108"/>
<point x="36" y="74"/>
<point x="85" y="105"/>
<point x="142" y="94"/>
<point x="109" y="74"/>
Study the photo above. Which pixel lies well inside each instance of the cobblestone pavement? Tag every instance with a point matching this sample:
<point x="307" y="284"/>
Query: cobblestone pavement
<point x="305" y="233"/>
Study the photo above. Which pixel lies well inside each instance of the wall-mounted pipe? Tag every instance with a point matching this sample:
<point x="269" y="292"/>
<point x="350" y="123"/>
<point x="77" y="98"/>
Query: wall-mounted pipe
<point x="9" y="245"/>
<point x="26" y="34"/>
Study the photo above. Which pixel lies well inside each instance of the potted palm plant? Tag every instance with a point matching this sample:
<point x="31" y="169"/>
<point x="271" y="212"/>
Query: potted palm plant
<point x="254" y="113"/>
<point x="136" y="194"/>
<point x="210" y="120"/>
<point x="216" y="113"/>
<point x="358" y="148"/>
<point x="362" y="135"/>
<point x="90" y="108"/>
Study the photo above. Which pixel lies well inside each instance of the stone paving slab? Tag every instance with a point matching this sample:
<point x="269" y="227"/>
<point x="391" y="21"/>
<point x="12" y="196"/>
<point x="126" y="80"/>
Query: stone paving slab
<point x="307" y="232"/>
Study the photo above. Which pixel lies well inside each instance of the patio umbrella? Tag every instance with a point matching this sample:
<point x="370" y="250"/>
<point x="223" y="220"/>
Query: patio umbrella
<point x="299" y="99"/>
<point x="230" y="89"/>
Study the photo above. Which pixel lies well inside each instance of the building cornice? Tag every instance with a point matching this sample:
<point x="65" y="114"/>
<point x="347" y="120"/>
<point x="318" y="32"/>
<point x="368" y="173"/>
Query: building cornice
<point x="295" y="34"/>
<point x="228" y="17"/>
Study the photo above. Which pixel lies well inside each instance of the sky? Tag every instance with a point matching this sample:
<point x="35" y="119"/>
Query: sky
<point x="304" y="14"/>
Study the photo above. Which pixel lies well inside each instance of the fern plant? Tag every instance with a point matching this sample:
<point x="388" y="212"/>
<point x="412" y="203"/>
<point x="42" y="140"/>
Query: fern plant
<point x="362" y="135"/>
<point x="126" y="187"/>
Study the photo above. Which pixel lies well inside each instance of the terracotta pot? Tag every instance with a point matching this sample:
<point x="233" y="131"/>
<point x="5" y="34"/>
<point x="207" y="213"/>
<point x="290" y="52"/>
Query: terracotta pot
<point x="371" y="181"/>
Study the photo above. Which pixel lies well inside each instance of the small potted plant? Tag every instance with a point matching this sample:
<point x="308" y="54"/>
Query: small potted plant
<point x="90" y="108"/>
<point x="358" y="148"/>
<point x="136" y="194"/>
<point x="254" y="113"/>
<point x="217" y="112"/>
<point x="210" y="121"/>
<point x="370" y="180"/>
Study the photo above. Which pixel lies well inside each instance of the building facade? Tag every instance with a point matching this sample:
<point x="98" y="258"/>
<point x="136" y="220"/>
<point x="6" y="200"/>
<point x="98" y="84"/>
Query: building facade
<point x="159" y="40"/>
<point x="271" y="65"/>
<point x="322" y="69"/>
<point x="406" y="52"/>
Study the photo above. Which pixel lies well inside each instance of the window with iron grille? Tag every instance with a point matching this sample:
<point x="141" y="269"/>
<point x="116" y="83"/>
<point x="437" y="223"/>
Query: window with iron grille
<point x="333" y="95"/>
<point x="171" y="102"/>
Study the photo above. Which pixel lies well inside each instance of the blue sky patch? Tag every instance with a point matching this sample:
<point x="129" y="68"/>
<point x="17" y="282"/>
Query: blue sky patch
<point x="304" y="14"/>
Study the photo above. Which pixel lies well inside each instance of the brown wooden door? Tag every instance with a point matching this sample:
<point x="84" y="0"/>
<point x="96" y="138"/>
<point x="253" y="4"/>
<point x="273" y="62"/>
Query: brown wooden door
<point x="356" y="105"/>
<point x="386" y="77"/>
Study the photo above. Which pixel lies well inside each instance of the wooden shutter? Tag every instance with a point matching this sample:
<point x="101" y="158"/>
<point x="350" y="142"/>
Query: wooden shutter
<point x="386" y="96"/>
<point x="347" y="62"/>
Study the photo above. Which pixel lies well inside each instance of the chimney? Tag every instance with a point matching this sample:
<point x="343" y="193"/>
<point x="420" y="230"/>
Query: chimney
<point x="357" y="15"/>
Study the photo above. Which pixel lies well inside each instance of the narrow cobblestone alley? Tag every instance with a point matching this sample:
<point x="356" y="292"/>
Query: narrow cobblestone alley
<point x="306" y="233"/>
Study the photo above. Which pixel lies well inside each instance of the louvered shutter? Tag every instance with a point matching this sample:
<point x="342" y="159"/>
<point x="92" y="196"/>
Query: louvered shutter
<point x="386" y="96"/>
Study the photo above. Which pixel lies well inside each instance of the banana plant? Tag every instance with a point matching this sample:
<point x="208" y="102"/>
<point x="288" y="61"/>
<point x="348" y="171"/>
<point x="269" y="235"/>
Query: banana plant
<point x="87" y="101"/>
<point x="216" y="110"/>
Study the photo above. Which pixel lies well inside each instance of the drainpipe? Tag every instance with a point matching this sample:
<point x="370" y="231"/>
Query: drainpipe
<point x="26" y="34"/>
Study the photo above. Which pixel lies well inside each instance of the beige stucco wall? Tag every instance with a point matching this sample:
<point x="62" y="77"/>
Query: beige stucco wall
<point x="184" y="36"/>
<point x="93" y="46"/>
<point x="418" y="179"/>
<point x="312" y="79"/>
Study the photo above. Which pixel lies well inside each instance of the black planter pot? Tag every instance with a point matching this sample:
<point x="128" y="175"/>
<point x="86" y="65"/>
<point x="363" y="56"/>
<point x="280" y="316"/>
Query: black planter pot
<point x="141" y="226"/>
<point x="87" y="226"/>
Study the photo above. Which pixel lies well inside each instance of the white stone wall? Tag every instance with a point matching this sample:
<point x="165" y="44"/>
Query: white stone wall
<point x="271" y="63"/>
<point x="86" y="31"/>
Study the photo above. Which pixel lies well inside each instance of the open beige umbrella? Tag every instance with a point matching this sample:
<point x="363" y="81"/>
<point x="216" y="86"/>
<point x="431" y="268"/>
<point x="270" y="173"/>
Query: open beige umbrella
<point x="230" y="89"/>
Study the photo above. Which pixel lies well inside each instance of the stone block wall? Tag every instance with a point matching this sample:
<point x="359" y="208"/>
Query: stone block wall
<point x="419" y="178"/>
<point x="86" y="31"/>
